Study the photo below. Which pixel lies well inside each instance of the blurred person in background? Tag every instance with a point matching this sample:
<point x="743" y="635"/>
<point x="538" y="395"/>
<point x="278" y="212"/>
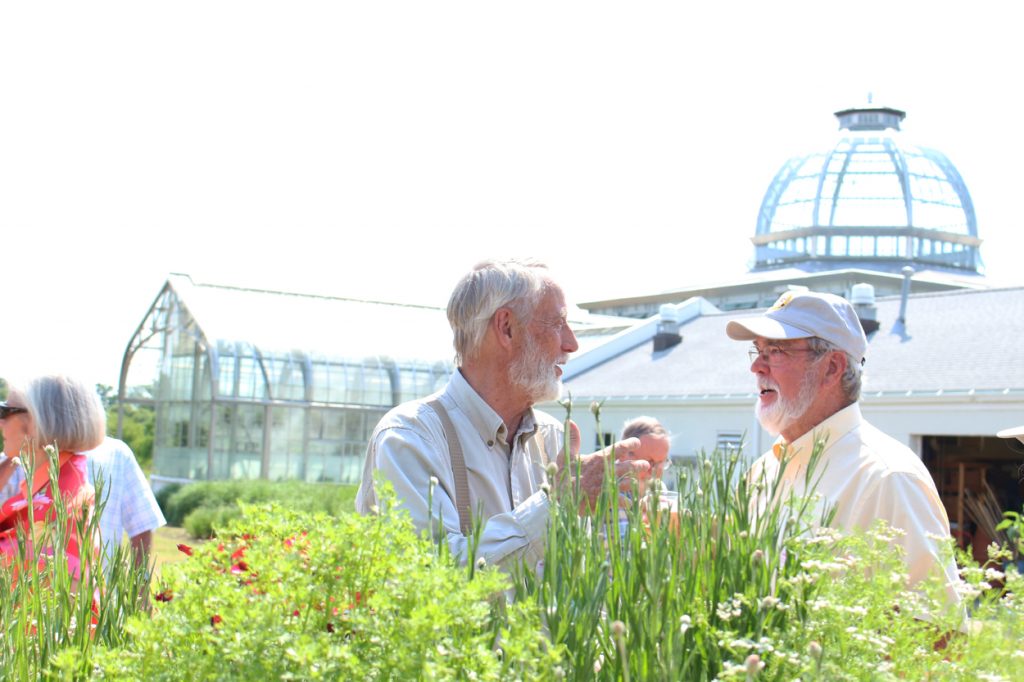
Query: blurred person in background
<point x="655" y="443"/>
<point x="125" y="503"/>
<point x="48" y="410"/>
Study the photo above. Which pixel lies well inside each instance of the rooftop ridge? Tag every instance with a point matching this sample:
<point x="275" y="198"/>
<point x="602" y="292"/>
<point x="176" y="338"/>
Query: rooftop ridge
<point x="297" y="294"/>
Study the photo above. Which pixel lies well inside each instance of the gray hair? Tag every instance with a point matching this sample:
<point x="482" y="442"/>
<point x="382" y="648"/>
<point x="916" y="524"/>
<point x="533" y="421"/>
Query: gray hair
<point x="65" y="411"/>
<point x="643" y="426"/>
<point x="852" y="377"/>
<point x="490" y="285"/>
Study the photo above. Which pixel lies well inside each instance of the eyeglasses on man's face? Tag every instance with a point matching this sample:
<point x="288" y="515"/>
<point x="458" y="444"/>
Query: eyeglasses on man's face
<point x="10" y="410"/>
<point x="774" y="354"/>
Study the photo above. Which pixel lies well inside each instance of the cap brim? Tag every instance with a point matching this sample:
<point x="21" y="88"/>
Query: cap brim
<point x="763" y="327"/>
<point x="1015" y="432"/>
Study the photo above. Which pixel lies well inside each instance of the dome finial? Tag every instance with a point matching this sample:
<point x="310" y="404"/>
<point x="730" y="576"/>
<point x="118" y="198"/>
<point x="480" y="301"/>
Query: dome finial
<point x="870" y="117"/>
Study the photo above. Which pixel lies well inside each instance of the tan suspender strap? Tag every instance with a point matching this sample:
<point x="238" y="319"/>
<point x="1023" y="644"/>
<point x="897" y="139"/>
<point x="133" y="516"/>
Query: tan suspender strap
<point x="458" y="466"/>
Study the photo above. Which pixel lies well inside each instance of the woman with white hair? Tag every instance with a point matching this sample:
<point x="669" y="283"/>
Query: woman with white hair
<point x="49" y="410"/>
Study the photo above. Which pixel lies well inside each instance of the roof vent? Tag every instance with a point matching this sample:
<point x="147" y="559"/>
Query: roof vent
<point x="862" y="296"/>
<point x="908" y="272"/>
<point x="668" y="328"/>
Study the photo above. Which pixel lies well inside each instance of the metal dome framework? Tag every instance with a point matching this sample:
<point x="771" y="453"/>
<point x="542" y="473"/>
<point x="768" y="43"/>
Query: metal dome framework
<point x="873" y="201"/>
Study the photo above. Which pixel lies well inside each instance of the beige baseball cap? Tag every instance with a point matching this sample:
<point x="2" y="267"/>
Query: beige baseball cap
<point x="803" y="314"/>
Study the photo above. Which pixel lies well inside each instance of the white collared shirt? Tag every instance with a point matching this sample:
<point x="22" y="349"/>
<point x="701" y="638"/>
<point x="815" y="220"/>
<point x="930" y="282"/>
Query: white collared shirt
<point x="409" y="446"/>
<point x="867" y="475"/>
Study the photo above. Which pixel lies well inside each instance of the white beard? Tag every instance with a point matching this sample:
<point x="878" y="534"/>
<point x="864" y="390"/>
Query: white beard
<point x="534" y="374"/>
<point x="782" y="413"/>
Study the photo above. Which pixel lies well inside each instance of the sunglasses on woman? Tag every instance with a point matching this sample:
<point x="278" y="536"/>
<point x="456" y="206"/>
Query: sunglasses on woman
<point x="8" y="410"/>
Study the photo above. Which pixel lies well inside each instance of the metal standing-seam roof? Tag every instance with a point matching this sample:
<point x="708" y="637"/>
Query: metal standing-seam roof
<point x="954" y="342"/>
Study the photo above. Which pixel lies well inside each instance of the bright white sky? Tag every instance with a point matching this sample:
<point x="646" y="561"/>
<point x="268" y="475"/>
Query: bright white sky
<point x="378" y="149"/>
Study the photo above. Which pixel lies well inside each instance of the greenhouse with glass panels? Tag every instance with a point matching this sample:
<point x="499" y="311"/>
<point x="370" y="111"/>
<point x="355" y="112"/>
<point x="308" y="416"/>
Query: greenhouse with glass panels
<point x="250" y="383"/>
<point x="264" y="384"/>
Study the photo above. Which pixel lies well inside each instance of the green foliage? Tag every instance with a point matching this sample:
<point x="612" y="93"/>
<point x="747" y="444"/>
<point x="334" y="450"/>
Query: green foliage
<point x="138" y="429"/>
<point x="288" y="595"/>
<point x="138" y="426"/>
<point x="692" y="588"/>
<point x="202" y="522"/>
<point x="164" y="494"/>
<point x="214" y="497"/>
<point x="1013" y="525"/>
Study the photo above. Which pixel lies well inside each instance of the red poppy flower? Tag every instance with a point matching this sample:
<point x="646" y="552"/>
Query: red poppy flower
<point x="330" y="627"/>
<point x="185" y="549"/>
<point x="240" y="567"/>
<point x="295" y="613"/>
<point x="215" y="619"/>
<point x="238" y="553"/>
<point x="166" y="595"/>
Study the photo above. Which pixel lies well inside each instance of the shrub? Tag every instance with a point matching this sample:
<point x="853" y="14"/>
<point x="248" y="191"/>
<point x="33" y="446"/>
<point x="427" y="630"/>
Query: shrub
<point x="289" y="595"/>
<point x="164" y="494"/>
<point x="332" y="499"/>
<point x="203" y="522"/>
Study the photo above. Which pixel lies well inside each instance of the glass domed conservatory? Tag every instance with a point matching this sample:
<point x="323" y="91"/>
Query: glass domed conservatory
<point x="872" y="201"/>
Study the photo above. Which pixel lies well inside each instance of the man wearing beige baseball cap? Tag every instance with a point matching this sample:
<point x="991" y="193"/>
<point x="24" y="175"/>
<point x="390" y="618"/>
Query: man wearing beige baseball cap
<point x="807" y="355"/>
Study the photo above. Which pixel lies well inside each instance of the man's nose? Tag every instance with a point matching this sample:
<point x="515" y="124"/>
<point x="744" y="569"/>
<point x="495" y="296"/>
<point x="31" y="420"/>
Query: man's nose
<point x="569" y="342"/>
<point x="759" y="365"/>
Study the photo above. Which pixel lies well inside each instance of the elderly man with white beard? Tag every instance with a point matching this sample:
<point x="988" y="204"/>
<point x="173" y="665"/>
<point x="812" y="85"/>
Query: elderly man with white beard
<point x="807" y="354"/>
<point x="478" y="444"/>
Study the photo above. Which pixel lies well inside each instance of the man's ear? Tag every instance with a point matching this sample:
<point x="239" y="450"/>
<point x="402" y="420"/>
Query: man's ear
<point x="836" y="367"/>
<point x="503" y="324"/>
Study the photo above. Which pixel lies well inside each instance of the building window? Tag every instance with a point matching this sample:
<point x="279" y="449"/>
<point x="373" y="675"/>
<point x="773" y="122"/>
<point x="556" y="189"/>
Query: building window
<point x="729" y="442"/>
<point x="604" y="439"/>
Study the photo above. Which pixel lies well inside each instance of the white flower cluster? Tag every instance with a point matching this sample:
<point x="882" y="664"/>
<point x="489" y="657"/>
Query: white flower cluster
<point x="731" y="608"/>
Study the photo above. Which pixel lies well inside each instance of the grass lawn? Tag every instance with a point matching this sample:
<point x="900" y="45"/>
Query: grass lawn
<point x="165" y="545"/>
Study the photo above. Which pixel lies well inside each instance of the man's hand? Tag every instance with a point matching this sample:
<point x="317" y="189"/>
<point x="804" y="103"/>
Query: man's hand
<point x="591" y="469"/>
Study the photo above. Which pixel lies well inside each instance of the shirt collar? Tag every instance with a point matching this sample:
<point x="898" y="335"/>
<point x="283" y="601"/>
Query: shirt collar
<point x="483" y="418"/>
<point x="830" y="430"/>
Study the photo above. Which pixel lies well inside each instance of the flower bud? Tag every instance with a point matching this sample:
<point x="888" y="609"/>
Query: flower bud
<point x="757" y="558"/>
<point x="618" y="628"/>
<point x="754" y="665"/>
<point x="595" y="409"/>
<point x="815" y="650"/>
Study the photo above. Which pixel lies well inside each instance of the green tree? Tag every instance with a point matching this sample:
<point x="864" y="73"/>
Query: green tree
<point x="137" y="428"/>
<point x="3" y="388"/>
